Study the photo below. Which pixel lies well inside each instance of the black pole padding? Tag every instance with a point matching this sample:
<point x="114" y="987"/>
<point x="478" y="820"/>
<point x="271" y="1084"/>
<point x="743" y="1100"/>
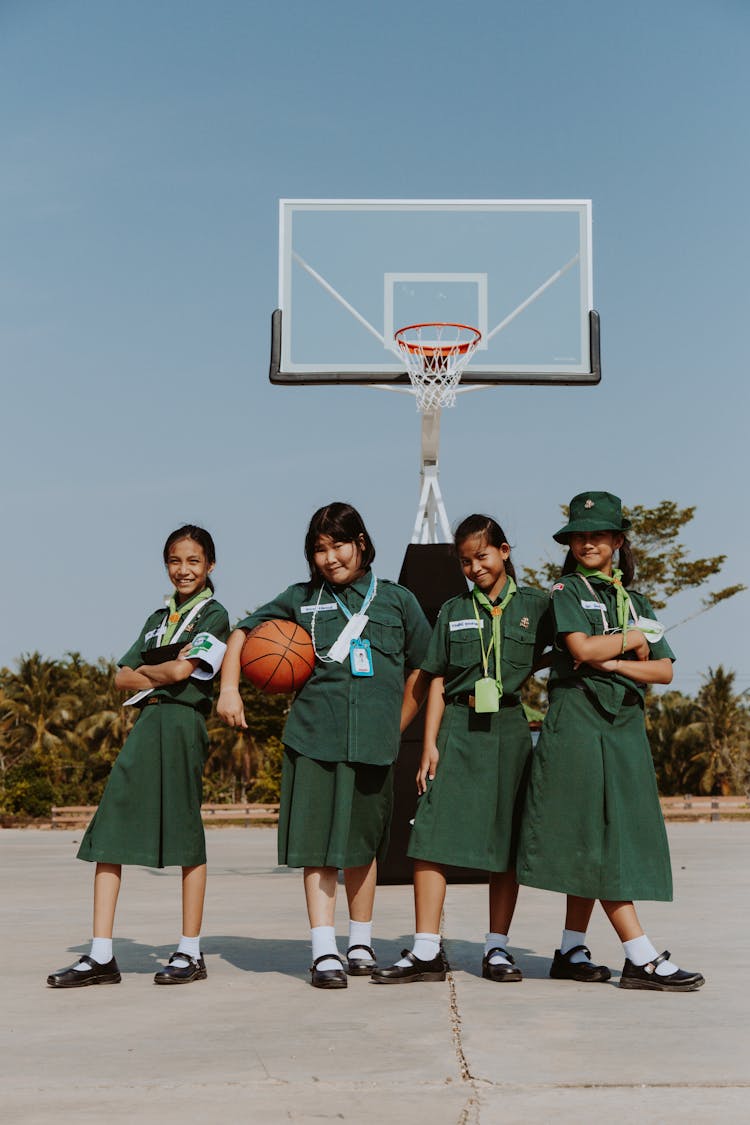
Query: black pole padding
<point x="432" y="572"/>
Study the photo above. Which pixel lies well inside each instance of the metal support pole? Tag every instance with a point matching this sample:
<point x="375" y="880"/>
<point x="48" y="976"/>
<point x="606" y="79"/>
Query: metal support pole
<point x="431" y="524"/>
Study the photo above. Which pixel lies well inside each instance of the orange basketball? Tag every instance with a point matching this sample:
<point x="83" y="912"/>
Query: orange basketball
<point x="277" y="656"/>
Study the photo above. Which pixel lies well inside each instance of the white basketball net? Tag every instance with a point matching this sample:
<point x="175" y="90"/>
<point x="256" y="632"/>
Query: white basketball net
<point x="435" y="356"/>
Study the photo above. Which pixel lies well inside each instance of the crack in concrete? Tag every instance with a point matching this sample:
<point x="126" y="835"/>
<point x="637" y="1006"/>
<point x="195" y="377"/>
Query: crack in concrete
<point x="470" y="1113"/>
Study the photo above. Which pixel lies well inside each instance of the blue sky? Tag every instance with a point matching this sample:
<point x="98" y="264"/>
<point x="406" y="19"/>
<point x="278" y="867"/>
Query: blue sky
<point x="144" y="149"/>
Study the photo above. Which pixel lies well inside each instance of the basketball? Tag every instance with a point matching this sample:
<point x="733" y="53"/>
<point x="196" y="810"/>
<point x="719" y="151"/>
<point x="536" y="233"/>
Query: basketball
<point x="277" y="656"/>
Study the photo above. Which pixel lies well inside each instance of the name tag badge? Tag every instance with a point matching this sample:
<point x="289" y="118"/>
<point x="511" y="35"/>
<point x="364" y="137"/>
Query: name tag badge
<point x="360" y="658"/>
<point x="312" y="608"/>
<point x="591" y="605"/>
<point x="486" y="696"/>
<point x="468" y="623"/>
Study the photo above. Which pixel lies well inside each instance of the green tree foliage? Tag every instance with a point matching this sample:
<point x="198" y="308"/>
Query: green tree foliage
<point x="62" y="725"/>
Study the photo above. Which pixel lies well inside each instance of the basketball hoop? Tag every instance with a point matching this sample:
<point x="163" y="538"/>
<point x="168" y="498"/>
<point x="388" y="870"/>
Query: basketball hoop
<point x="436" y="355"/>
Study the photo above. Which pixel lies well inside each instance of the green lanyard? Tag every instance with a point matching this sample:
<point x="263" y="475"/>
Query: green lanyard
<point x="624" y="605"/>
<point x="496" y="612"/>
<point x="177" y="612"/>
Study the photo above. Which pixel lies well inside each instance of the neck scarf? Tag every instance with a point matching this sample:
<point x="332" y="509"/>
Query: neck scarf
<point x="624" y="605"/>
<point x="496" y="612"/>
<point x="177" y="612"/>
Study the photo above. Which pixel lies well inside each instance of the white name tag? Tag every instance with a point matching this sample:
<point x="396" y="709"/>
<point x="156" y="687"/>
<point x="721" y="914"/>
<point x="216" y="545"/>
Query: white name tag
<point x="313" y="608"/>
<point x="591" y="605"/>
<point x="469" y="623"/>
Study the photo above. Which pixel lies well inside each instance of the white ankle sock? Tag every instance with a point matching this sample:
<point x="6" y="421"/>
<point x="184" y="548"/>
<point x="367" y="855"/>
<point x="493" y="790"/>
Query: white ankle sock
<point x="491" y="940"/>
<point x="569" y="940"/>
<point x="189" y="945"/>
<point x="101" y="952"/>
<point x="426" y="947"/>
<point x="324" y="941"/>
<point x="640" y="951"/>
<point x="360" y="933"/>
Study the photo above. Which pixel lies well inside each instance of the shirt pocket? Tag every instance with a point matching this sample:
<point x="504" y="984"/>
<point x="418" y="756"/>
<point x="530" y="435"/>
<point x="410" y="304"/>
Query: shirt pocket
<point x="386" y="634"/>
<point x="464" y="648"/>
<point x="328" y="625"/>
<point x="518" y="646"/>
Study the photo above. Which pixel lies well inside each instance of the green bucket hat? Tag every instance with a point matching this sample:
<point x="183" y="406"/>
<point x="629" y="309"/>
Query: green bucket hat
<point x="593" y="511"/>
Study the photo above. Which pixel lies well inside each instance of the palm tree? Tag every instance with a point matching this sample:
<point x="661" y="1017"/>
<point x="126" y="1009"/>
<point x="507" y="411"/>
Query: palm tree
<point x="722" y="730"/>
<point x="669" y="719"/>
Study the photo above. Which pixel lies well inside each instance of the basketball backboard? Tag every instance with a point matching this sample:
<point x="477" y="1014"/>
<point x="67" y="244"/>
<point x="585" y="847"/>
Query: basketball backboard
<point x="354" y="271"/>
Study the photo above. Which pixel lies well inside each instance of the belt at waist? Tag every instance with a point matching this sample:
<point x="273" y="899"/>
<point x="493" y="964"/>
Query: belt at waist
<point x="155" y="700"/>
<point x="631" y="698"/>
<point x="466" y="699"/>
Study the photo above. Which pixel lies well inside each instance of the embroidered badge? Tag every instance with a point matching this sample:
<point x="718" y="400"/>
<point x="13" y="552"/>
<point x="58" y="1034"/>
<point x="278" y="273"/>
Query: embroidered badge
<point x="589" y="504"/>
<point x="558" y="586"/>
<point x="173" y="617"/>
<point x="524" y="622"/>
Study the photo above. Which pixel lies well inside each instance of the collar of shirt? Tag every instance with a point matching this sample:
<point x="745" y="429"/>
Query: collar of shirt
<point x="360" y="586"/>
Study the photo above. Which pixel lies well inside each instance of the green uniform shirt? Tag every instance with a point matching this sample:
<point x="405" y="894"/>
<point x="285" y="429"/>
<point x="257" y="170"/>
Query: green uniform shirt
<point x="338" y="717"/>
<point x="195" y="692"/>
<point x="455" y="651"/>
<point x="575" y="611"/>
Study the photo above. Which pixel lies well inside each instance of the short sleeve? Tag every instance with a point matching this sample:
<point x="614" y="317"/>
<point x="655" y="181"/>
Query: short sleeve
<point x="436" y="658"/>
<point x="209" y="646"/>
<point x="568" y="614"/>
<point x="283" y="607"/>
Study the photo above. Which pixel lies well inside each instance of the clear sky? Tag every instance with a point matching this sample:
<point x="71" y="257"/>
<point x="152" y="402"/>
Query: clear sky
<point x="143" y="149"/>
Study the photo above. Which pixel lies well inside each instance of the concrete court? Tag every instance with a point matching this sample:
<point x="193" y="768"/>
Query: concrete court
<point x="255" y="1043"/>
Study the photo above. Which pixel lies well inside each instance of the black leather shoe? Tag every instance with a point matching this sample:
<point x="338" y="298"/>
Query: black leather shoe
<point x="562" y="968"/>
<point x="500" y="973"/>
<point x="645" y="976"/>
<point x="79" y="978"/>
<point x="182" y="974"/>
<point x="361" y="966"/>
<point x="328" y="978"/>
<point x="415" y="970"/>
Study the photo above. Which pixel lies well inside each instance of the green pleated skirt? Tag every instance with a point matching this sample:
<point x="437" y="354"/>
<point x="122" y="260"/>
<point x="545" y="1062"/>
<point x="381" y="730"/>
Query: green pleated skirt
<point x="470" y="814"/>
<point x="333" y="814"/>
<point x="592" y="825"/>
<point x="150" y="811"/>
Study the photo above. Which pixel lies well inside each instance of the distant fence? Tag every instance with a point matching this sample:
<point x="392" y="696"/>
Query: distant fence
<point x="244" y="815"/>
<point x="705" y="808"/>
<point x="78" y="816"/>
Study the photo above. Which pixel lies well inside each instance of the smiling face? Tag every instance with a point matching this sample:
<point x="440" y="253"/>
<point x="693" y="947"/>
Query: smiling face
<point x="595" y="549"/>
<point x="483" y="564"/>
<point x="188" y="568"/>
<point x="339" y="563"/>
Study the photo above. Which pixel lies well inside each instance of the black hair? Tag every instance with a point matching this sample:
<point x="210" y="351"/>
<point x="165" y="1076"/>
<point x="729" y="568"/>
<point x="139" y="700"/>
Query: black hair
<point x="344" y="524"/>
<point x="625" y="561"/>
<point x="201" y="536"/>
<point x="492" y="532"/>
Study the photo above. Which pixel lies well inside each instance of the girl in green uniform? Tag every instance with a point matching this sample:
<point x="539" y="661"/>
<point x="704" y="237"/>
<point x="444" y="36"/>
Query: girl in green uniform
<point x="344" y="727"/>
<point x="593" y="825"/>
<point x="150" y="812"/>
<point x="477" y="747"/>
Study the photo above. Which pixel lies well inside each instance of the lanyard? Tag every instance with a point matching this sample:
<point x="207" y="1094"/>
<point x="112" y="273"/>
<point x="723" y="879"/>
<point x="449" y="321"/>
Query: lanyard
<point x="360" y="622"/>
<point x="624" y="604"/>
<point x="496" y="612"/>
<point x="179" y="617"/>
<point x="365" y="604"/>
